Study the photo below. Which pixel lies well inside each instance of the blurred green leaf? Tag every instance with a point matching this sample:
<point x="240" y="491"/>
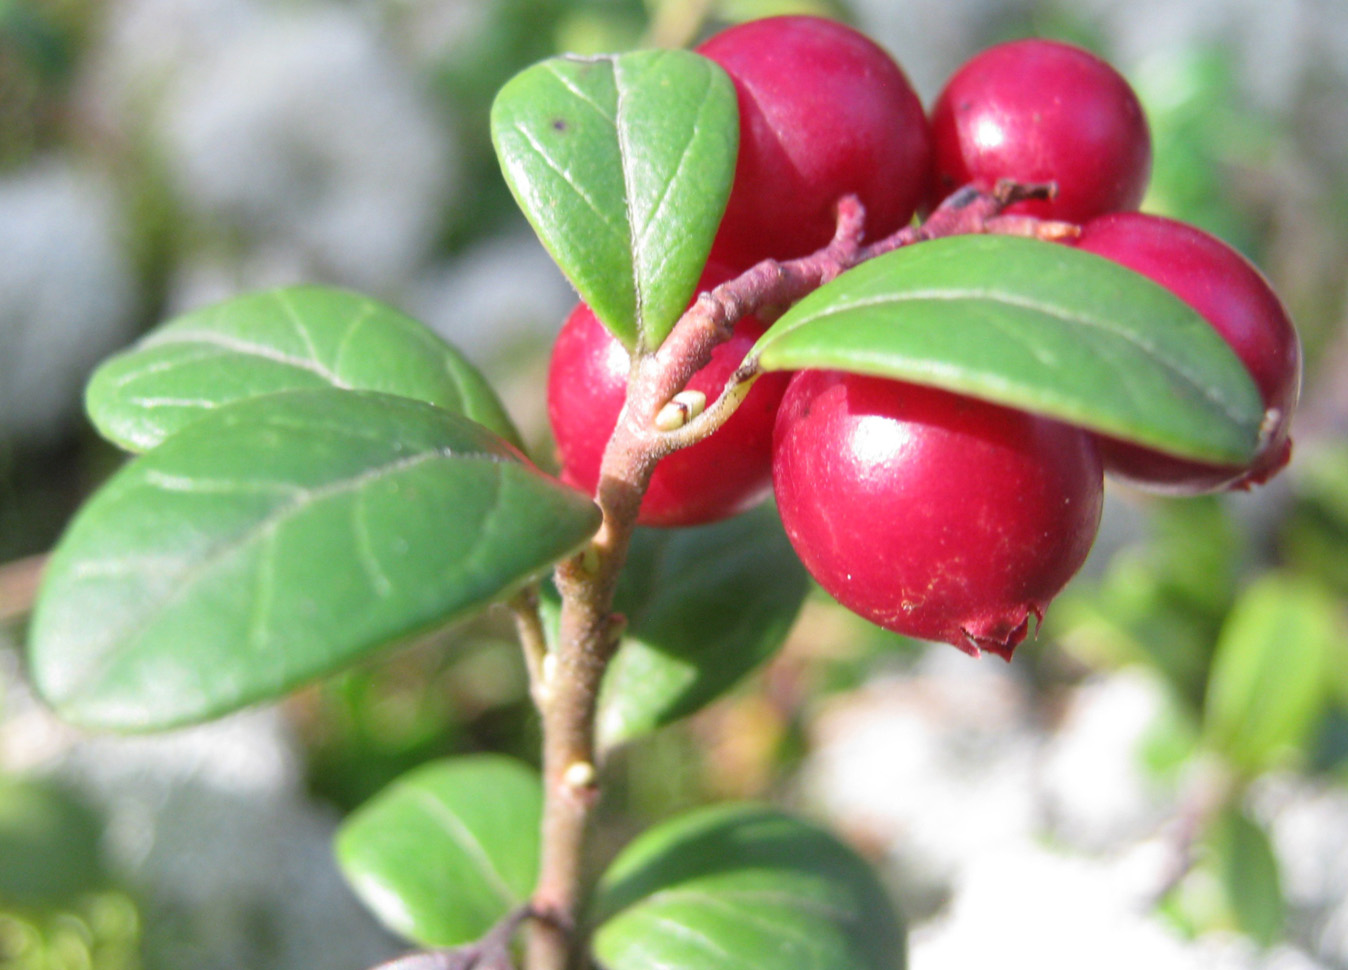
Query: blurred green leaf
<point x="1037" y="326"/>
<point x="704" y="606"/>
<point x="1314" y="537"/>
<point x="1208" y="139"/>
<point x="283" y="340"/>
<point x="1162" y="601"/>
<point x="741" y="887"/>
<point x="49" y="845"/>
<point x="1248" y="868"/>
<point x="449" y="849"/>
<point x="279" y="539"/>
<point x="622" y="164"/>
<point x="1269" y="680"/>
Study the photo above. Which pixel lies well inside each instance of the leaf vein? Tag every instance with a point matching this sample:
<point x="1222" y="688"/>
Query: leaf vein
<point x="461" y="835"/>
<point x="579" y="93"/>
<point x="358" y="320"/>
<point x="118" y="641"/>
<point x="288" y="305"/>
<point x="159" y="366"/>
<point x="238" y="345"/>
<point x="571" y="182"/>
<point x="666" y="190"/>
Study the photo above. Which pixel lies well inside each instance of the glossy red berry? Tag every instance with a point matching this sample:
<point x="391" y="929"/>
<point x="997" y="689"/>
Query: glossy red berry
<point x="1038" y="111"/>
<point x="824" y="112"/>
<point x="715" y="478"/>
<point x="929" y="513"/>
<point x="1236" y="299"/>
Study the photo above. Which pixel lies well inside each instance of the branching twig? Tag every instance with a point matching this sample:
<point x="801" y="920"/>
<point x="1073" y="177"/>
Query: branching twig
<point x="492" y="952"/>
<point x="777" y="285"/>
<point x="533" y="641"/>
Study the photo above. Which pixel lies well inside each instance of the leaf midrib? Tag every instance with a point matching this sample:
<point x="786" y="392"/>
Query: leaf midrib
<point x="1219" y="402"/>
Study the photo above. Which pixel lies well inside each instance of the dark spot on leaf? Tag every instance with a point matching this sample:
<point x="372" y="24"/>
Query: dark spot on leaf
<point x="559" y="124"/>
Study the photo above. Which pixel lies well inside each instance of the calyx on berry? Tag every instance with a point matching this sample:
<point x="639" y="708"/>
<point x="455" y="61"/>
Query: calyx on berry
<point x="1234" y="297"/>
<point x="932" y="514"/>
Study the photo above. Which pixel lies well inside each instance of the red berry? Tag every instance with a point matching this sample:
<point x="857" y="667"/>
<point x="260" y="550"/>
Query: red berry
<point x="1235" y="298"/>
<point x="1039" y="111"/>
<point x="715" y="478"/>
<point x="824" y="112"/>
<point x="932" y="514"/>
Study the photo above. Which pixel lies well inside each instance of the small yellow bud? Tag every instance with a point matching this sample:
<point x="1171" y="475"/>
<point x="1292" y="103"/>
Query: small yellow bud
<point x="681" y="409"/>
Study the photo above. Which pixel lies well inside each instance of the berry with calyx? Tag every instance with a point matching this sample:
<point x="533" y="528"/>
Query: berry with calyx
<point x="824" y="112"/>
<point x="1043" y="111"/>
<point x="719" y="476"/>
<point x="932" y="514"/>
<point x="1235" y="298"/>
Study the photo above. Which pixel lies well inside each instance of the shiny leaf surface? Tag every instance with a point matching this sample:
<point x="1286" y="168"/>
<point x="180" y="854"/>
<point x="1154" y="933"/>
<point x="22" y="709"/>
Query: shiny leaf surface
<point x="1036" y="326"/>
<point x="289" y="339"/>
<point x="622" y="164"/>
<point x="744" y="887"/>
<point x="280" y="539"/>
<point x="448" y="850"/>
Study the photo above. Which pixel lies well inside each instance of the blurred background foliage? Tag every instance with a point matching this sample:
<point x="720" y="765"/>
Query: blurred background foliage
<point x="158" y="154"/>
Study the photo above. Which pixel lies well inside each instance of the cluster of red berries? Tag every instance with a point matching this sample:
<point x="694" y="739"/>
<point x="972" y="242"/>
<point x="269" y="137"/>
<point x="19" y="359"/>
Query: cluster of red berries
<point x="932" y="514"/>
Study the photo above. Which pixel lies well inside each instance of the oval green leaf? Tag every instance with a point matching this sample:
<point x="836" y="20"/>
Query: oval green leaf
<point x="1247" y="866"/>
<point x="50" y="845"/>
<point x="448" y="850"/>
<point x="289" y="339"/>
<point x="741" y="888"/>
<point x="622" y="164"/>
<point x="1037" y="326"/>
<point x="279" y="539"/>
<point x="704" y="606"/>
<point x="1272" y="671"/>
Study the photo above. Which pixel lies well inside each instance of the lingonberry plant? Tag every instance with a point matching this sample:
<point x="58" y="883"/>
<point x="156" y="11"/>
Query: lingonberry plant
<point x="320" y="476"/>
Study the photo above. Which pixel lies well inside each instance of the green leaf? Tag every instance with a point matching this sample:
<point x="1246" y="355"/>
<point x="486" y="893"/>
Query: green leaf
<point x="703" y="608"/>
<point x="279" y="539"/>
<point x="1270" y="676"/>
<point x="283" y="340"/>
<point x="623" y="164"/>
<point x="1037" y="326"/>
<point x="49" y="845"/>
<point x="744" y="887"/>
<point x="446" y="851"/>
<point x="1248" y="869"/>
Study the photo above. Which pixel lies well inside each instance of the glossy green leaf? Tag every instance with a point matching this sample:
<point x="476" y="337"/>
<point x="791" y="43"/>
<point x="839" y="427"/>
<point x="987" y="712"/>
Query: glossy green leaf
<point x="1037" y="326"/>
<point x="1248" y="870"/>
<point x="447" y="850"/>
<point x="704" y="606"/>
<point x="279" y="539"/>
<point x="742" y="888"/>
<point x="623" y="164"/>
<point x="283" y="340"/>
<point x="49" y="845"/>
<point x="1270" y="675"/>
